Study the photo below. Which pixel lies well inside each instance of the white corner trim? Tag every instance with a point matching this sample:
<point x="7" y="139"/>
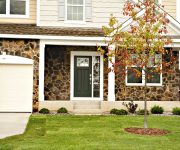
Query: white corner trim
<point x="85" y="53"/>
<point x="41" y="71"/>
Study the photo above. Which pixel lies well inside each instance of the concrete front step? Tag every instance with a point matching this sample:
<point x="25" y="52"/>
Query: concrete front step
<point x="87" y="105"/>
<point x="87" y="112"/>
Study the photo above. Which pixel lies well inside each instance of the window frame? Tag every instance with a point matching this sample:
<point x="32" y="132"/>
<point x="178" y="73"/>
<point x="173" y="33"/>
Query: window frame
<point x="8" y="15"/>
<point x="143" y="78"/>
<point x="75" y="21"/>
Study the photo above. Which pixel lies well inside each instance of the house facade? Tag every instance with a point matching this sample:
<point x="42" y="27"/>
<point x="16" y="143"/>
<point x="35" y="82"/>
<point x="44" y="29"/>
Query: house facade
<point x="61" y="36"/>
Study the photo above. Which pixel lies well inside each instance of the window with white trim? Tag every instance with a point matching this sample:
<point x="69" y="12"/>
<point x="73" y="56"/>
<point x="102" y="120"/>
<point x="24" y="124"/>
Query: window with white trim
<point x="75" y="10"/>
<point x="136" y="76"/>
<point x="14" y="8"/>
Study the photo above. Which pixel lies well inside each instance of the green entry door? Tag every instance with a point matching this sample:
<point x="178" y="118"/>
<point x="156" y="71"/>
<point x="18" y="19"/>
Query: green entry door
<point x="82" y="76"/>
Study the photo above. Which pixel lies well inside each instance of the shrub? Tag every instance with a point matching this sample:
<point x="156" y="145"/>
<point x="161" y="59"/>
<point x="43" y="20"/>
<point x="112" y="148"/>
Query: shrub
<point x="176" y="111"/>
<point x="157" y="110"/>
<point x="118" y="111"/>
<point x="44" y="111"/>
<point x="62" y="110"/>
<point x="141" y="112"/>
<point x="113" y="111"/>
<point x="131" y="107"/>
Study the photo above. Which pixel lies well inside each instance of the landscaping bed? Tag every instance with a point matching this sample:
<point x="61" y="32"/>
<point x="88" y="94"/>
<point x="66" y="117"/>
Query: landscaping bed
<point x="148" y="131"/>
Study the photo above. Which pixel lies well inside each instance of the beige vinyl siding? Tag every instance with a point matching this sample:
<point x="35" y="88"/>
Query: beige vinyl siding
<point x="101" y="10"/>
<point x="170" y="7"/>
<point x="30" y="20"/>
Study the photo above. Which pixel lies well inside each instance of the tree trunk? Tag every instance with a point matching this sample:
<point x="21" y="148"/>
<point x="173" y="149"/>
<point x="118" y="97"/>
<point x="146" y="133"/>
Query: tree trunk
<point x="145" y="104"/>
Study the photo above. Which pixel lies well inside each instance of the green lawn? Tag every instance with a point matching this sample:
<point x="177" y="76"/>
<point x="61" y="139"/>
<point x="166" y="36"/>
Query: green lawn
<point x="93" y="133"/>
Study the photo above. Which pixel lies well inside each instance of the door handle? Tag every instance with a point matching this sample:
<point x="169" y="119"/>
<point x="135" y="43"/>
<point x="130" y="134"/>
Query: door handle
<point x="90" y="78"/>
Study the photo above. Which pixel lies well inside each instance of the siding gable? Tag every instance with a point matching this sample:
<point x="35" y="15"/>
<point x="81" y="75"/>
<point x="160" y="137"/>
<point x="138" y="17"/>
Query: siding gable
<point x="97" y="13"/>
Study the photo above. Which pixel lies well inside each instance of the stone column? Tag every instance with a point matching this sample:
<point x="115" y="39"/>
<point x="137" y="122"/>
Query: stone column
<point x="111" y="77"/>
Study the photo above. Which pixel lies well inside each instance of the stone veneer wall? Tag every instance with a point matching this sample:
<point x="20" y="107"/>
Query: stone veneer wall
<point x="27" y="49"/>
<point x="169" y="91"/>
<point x="57" y="71"/>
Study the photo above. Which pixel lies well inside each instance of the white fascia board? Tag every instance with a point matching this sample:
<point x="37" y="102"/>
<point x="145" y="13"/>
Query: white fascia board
<point x="141" y="12"/>
<point x="70" y="38"/>
<point x="128" y="22"/>
<point x="176" y="41"/>
<point x="173" y="21"/>
<point x="43" y="37"/>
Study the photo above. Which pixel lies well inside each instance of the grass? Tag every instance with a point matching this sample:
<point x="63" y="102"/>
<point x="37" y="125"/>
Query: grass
<point x="45" y="132"/>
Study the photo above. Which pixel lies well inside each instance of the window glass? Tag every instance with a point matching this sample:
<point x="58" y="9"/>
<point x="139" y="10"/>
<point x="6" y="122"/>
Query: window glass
<point x="96" y="76"/>
<point x="18" y="7"/>
<point x="75" y="10"/>
<point x="153" y="76"/>
<point x="2" y="6"/>
<point x="132" y="75"/>
<point x="69" y="1"/>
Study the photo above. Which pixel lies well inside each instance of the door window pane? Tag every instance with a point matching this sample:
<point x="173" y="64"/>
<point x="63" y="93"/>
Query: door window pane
<point x="2" y="6"/>
<point x="96" y="76"/>
<point x="82" y="62"/>
<point x="18" y="7"/>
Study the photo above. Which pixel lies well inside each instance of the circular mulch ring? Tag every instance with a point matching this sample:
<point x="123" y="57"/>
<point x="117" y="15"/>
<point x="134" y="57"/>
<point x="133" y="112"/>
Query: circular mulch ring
<point x="148" y="131"/>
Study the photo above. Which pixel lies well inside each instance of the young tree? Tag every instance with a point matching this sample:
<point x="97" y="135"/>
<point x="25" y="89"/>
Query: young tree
<point x="141" y="45"/>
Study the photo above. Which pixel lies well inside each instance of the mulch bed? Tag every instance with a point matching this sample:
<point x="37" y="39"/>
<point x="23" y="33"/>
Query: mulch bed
<point x="148" y="131"/>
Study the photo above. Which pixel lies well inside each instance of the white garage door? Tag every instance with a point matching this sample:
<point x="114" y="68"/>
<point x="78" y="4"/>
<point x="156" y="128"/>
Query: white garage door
<point x="16" y="84"/>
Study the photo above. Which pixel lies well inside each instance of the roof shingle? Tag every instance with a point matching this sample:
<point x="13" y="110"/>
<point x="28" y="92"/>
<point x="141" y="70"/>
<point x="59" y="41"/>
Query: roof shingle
<point x="32" y="29"/>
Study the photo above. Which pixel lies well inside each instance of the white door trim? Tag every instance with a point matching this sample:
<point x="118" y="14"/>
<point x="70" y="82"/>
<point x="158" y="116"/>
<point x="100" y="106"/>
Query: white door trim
<point x="85" y="53"/>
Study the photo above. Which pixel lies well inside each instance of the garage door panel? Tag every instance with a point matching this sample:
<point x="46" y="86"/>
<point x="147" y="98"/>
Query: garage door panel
<point x="16" y="88"/>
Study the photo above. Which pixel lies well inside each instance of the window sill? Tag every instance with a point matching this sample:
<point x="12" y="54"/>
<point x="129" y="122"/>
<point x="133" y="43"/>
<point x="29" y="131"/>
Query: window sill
<point x="14" y="16"/>
<point x="74" y="22"/>
<point x="141" y="84"/>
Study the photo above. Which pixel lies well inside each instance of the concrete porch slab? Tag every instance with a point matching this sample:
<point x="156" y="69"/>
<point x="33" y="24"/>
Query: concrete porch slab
<point x="13" y="123"/>
<point x="92" y="107"/>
